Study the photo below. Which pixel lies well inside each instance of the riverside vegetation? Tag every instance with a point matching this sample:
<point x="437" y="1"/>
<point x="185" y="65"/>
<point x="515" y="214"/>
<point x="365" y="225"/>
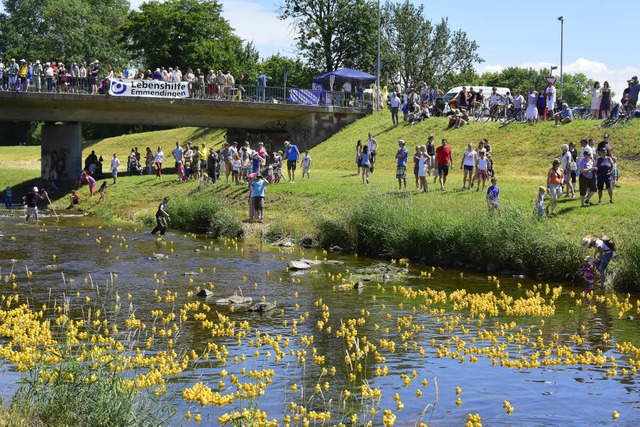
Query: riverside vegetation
<point x="333" y="208"/>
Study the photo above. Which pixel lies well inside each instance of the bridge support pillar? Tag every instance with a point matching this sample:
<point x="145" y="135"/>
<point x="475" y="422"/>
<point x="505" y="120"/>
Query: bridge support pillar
<point x="61" y="152"/>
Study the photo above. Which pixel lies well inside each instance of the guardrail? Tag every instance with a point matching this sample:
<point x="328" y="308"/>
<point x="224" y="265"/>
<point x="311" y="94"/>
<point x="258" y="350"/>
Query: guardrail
<point x="237" y="92"/>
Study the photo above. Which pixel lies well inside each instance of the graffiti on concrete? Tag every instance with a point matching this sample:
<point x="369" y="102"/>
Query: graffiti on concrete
<point x="327" y="124"/>
<point x="276" y="125"/>
<point x="54" y="164"/>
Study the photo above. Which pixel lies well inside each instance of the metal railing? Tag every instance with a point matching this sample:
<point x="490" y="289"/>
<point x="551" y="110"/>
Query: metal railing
<point x="238" y="92"/>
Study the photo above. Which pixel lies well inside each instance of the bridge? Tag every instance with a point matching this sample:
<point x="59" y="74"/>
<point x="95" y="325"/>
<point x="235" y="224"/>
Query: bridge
<point x="64" y="113"/>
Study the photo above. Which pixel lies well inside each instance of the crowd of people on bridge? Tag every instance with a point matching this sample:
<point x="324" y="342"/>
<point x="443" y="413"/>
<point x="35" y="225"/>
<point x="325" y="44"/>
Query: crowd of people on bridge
<point x="78" y="77"/>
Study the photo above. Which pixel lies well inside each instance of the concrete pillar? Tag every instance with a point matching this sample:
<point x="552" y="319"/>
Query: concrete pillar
<point x="61" y="152"/>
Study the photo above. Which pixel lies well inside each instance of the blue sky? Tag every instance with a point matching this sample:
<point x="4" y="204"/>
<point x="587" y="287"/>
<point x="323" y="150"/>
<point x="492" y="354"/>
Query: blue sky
<point x="509" y="33"/>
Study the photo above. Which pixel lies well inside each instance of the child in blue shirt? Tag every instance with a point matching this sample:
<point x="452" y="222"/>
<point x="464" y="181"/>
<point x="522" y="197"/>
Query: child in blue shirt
<point x="257" y="186"/>
<point x="493" y="193"/>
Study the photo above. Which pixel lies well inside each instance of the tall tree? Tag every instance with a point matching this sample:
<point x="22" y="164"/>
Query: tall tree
<point x="184" y="33"/>
<point x="334" y="33"/>
<point x="298" y="74"/>
<point x="65" y="30"/>
<point x="426" y="52"/>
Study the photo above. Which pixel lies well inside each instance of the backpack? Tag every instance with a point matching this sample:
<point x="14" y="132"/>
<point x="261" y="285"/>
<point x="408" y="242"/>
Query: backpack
<point x="609" y="242"/>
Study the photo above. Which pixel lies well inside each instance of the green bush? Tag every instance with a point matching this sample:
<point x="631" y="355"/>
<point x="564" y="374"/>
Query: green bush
<point x="334" y="231"/>
<point x="508" y="240"/>
<point x="206" y="214"/>
<point x="625" y="269"/>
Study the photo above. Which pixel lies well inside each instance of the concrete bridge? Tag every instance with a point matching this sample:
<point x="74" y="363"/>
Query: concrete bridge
<point x="64" y="113"/>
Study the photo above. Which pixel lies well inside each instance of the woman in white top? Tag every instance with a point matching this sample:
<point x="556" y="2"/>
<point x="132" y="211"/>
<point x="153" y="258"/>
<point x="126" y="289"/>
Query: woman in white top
<point x="568" y="166"/>
<point x="423" y="164"/>
<point x="532" y="99"/>
<point x="595" y="100"/>
<point x="468" y="163"/>
<point x="159" y="159"/>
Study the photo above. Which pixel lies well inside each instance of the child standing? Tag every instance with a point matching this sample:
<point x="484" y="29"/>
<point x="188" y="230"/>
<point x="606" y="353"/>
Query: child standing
<point x="258" y="187"/>
<point x="306" y="164"/>
<point x="538" y="209"/>
<point x="365" y="162"/>
<point x="614" y="173"/>
<point x="482" y="168"/>
<point x="588" y="273"/>
<point x="101" y="190"/>
<point x="493" y="196"/>
<point x="423" y="165"/>
<point x="237" y="167"/>
<point x="180" y="170"/>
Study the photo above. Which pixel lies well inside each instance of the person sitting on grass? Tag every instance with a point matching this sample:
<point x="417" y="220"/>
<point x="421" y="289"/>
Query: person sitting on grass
<point x="493" y="196"/>
<point x="74" y="199"/>
<point x="564" y="116"/>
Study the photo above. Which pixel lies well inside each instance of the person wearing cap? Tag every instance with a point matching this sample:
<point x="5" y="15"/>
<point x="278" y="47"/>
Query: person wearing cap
<point x="257" y="190"/>
<point x="605" y="144"/>
<point x="587" y="178"/>
<point x="94" y="74"/>
<point x="13" y="71"/>
<point x="36" y="75"/>
<point x="444" y="159"/>
<point x="401" y="170"/>
<point x="603" y="253"/>
<point x="291" y="153"/>
<point x="162" y="217"/>
<point x="31" y="199"/>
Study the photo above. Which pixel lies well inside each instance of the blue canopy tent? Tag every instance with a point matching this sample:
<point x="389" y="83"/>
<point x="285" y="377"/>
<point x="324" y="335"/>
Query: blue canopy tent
<point x="321" y="84"/>
<point x="342" y="75"/>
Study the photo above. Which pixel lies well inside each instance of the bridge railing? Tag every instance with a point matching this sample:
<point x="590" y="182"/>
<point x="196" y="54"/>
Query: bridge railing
<point x="237" y="92"/>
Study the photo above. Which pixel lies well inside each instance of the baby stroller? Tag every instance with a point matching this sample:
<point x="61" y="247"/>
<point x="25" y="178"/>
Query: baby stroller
<point x="135" y="168"/>
<point x="272" y="173"/>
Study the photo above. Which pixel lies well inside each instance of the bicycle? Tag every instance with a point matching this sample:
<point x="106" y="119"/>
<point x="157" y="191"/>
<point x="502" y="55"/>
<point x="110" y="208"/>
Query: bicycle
<point x="482" y="113"/>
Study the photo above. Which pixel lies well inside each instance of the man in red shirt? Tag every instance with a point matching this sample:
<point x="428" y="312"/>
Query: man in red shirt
<point x="445" y="159"/>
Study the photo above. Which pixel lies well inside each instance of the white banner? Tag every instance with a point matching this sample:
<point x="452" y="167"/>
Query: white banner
<point x="148" y="88"/>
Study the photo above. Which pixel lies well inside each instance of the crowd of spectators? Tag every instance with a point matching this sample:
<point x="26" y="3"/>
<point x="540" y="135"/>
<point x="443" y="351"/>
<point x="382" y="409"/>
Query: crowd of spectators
<point x="54" y="76"/>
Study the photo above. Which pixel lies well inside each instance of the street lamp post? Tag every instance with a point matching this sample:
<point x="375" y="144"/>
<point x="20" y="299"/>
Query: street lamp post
<point x="561" y="19"/>
<point x="378" y="95"/>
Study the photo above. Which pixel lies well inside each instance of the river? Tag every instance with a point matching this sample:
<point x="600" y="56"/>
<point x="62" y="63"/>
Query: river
<point x="462" y="342"/>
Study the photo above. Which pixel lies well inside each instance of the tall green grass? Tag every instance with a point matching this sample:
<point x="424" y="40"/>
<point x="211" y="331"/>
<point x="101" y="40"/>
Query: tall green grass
<point x="204" y="214"/>
<point x="398" y="227"/>
<point x="625" y="267"/>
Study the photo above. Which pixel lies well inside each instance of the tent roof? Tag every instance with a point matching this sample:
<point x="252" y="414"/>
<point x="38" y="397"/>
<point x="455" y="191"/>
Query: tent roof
<point x="344" y="74"/>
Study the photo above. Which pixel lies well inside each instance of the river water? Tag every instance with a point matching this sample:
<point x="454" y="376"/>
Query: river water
<point x="427" y="344"/>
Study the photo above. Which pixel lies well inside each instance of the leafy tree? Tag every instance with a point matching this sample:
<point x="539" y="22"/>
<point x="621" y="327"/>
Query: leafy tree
<point x="298" y="75"/>
<point x="334" y="33"/>
<point x="575" y="89"/>
<point x="516" y="78"/>
<point x="186" y="33"/>
<point x="65" y="30"/>
<point x="426" y="52"/>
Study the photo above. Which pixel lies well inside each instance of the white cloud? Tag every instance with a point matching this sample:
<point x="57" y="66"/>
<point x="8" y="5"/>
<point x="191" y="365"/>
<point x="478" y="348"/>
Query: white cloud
<point x="258" y="22"/>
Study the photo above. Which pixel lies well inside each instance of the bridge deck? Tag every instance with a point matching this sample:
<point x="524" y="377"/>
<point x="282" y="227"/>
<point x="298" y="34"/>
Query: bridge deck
<point x="85" y="108"/>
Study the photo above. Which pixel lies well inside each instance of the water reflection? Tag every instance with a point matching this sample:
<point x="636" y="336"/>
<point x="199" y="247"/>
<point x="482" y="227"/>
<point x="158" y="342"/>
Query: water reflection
<point x="412" y="341"/>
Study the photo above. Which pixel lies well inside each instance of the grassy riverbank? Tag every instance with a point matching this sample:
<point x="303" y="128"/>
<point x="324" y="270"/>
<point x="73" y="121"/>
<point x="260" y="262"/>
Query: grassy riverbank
<point x="450" y="227"/>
